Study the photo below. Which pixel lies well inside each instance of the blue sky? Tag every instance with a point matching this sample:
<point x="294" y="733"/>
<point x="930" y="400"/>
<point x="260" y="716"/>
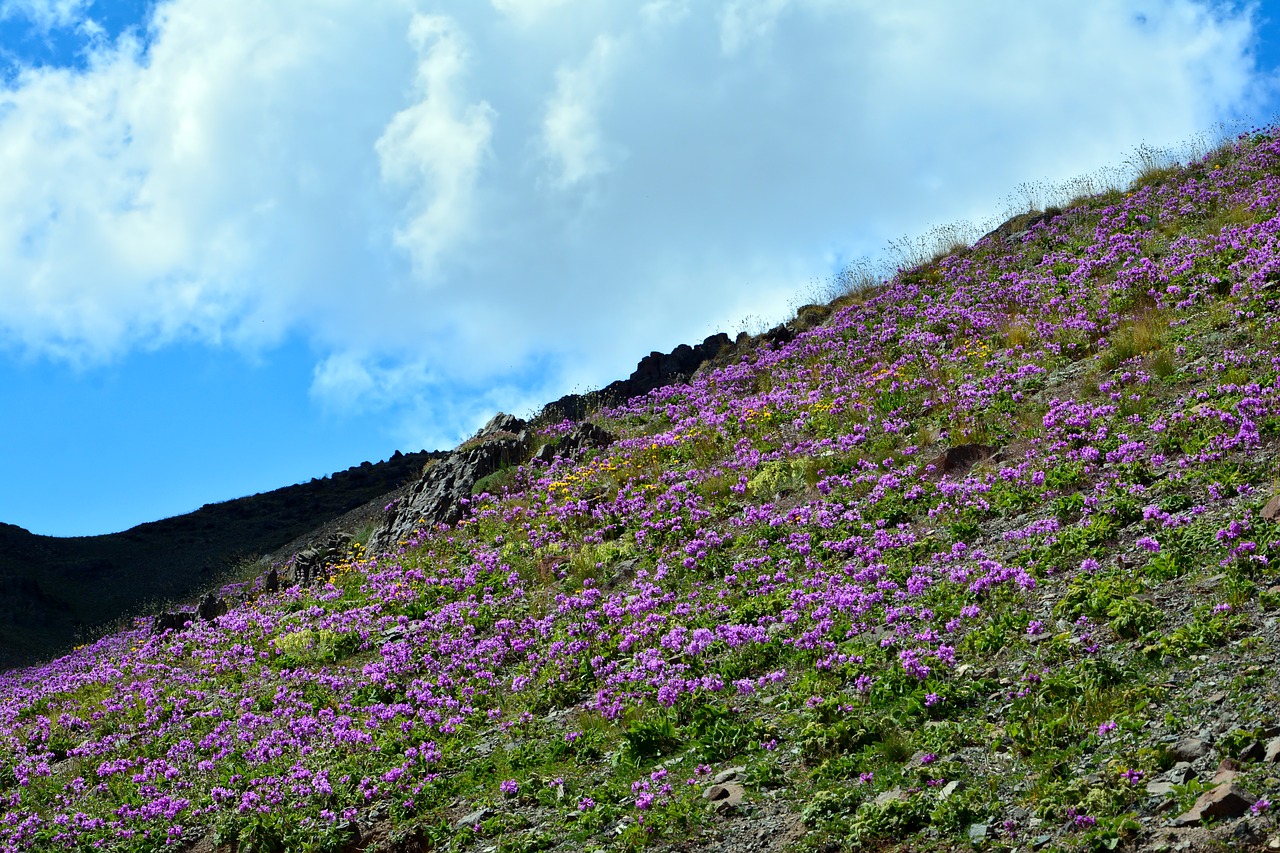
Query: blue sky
<point x="245" y="244"/>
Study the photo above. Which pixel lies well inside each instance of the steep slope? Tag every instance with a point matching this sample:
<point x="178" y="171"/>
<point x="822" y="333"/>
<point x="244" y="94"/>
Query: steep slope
<point x="988" y="558"/>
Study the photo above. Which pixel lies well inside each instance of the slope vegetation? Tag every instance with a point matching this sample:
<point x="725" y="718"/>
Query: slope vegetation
<point x="987" y="558"/>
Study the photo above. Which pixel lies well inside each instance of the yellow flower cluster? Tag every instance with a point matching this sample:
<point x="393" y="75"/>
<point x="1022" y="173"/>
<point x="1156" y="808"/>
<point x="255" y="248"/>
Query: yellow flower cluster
<point x="579" y="477"/>
<point x="977" y="348"/>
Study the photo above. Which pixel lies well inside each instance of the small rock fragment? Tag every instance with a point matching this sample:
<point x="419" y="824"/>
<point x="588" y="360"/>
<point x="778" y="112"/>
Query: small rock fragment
<point x="724" y="796"/>
<point x="473" y="818"/>
<point x="729" y="774"/>
<point x="1273" y="751"/>
<point x="1227" y="800"/>
<point x="977" y="832"/>
<point x="886" y="797"/>
<point x="1189" y="749"/>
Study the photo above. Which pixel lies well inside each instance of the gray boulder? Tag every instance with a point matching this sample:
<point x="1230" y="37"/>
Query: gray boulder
<point x="583" y="435"/>
<point x="437" y="496"/>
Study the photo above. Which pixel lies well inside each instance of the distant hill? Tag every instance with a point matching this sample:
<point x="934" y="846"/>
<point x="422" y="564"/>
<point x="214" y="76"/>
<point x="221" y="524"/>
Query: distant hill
<point x="55" y="590"/>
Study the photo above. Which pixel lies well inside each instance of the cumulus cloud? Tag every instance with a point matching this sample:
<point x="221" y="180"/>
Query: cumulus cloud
<point x="463" y="207"/>
<point x="432" y="151"/>
<point x="571" y="132"/>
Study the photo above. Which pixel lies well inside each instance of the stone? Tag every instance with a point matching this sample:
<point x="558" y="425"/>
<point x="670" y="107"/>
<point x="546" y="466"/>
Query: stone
<point x="1272" y="510"/>
<point x="961" y="458"/>
<point x="306" y="565"/>
<point x="439" y="494"/>
<point x="1272" y="753"/>
<point x="1225" y="800"/>
<point x="1180" y="773"/>
<point x="211" y="608"/>
<point x="271" y="582"/>
<point x="473" y="818"/>
<point x="724" y="796"/>
<point x="1189" y="749"/>
<point x="950" y="788"/>
<point x="584" y="435"/>
<point x="171" y="621"/>
<point x="729" y="774"/>
<point x="976" y="832"/>
<point x="655" y="370"/>
<point x="886" y="797"/>
<point x="1228" y="770"/>
<point x="1160" y="789"/>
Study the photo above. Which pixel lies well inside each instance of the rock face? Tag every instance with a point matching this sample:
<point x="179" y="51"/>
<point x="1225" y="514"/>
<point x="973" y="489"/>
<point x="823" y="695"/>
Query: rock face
<point x="437" y="496"/>
<point x="309" y="564"/>
<point x="654" y="371"/>
<point x="583" y="435"/>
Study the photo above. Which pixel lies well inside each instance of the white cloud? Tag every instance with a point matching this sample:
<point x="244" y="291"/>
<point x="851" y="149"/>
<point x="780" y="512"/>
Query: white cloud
<point x="46" y="15"/>
<point x="571" y="131"/>
<point x="432" y="151"/>
<point x="402" y="183"/>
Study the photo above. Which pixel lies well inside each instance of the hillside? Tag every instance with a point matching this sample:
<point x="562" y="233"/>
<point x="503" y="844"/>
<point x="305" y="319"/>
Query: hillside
<point x="985" y="558"/>
<point x="53" y="588"/>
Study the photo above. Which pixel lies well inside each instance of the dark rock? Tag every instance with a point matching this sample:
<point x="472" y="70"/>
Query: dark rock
<point x="306" y="564"/>
<point x="731" y="774"/>
<point x="724" y="796"/>
<point x="583" y="435"/>
<point x="780" y="335"/>
<point x="171" y="621"/>
<point x="1017" y="227"/>
<point x="962" y="457"/>
<point x="437" y="497"/>
<point x="655" y="370"/>
<point x="809" y="316"/>
<point x="271" y="583"/>
<point x="211" y="608"/>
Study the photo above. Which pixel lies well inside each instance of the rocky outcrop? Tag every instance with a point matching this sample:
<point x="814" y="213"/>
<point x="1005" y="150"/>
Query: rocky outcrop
<point x="211" y="608"/>
<point x="583" y="435"/>
<point x="311" y="564"/>
<point x="437" y="497"/>
<point x="655" y="370"/>
<point x="1017" y="227"/>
